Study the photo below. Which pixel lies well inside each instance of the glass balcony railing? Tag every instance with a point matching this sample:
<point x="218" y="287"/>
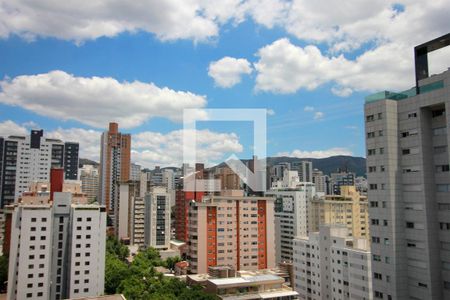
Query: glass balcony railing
<point x="405" y="94"/>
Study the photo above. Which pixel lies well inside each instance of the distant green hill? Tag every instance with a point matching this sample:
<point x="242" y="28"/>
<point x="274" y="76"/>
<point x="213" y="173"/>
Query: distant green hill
<point x="329" y="164"/>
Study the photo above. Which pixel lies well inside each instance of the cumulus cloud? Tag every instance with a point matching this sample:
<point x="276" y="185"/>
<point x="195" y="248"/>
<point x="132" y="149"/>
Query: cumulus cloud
<point x="154" y="148"/>
<point x="198" y="20"/>
<point x="318" y="115"/>
<point x="316" y="153"/>
<point x="228" y="71"/>
<point x="270" y="112"/>
<point x="148" y="148"/>
<point x="9" y="127"/>
<point x="341" y="91"/>
<point x="95" y="101"/>
<point x="286" y="68"/>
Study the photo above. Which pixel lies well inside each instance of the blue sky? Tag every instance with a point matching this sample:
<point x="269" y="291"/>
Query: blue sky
<point x="312" y="75"/>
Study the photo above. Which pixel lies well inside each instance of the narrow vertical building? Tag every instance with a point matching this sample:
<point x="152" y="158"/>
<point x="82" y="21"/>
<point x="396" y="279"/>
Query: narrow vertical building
<point x="114" y="166"/>
<point x="407" y="140"/>
<point x="157" y="218"/>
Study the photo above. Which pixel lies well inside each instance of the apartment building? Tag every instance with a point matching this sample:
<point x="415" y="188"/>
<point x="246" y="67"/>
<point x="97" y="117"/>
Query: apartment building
<point x="90" y="182"/>
<point x="157" y="218"/>
<point x="321" y="181"/>
<point x="135" y="172"/>
<point x="25" y="159"/>
<point x="57" y="250"/>
<point x="183" y="199"/>
<point x="330" y="265"/>
<point x="114" y="166"/>
<point x="292" y="206"/>
<point x="349" y="208"/>
<point x="341" y="178"/>
<point x="407" y="140"/>
<point x="304" y="169"/>
<point x="232" y="230"/>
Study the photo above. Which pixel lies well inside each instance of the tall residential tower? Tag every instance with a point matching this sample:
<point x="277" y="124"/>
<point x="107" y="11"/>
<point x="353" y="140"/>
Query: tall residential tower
<point x="407" y="140"/>
<point x="114" y="165"/>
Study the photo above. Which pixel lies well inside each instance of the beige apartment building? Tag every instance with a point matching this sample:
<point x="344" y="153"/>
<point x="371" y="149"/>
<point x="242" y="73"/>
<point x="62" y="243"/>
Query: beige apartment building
<point x="231" y="230"/>
<point x="350" y="208"/>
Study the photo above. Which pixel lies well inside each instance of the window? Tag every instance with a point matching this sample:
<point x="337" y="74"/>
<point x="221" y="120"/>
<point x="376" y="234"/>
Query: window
<point x="370" y="118"/>
<point x="380" y="116"/>
<point x="376" y="257"/>
<point x="439" y="131"/>
<point x="380" y="132"/>
<point x="375" y="222"/>
<point x="373" y="186"/>
<point x="382" y="169"/>
<point x="370" y="135"/>
<point x="29" y="295"/>
<point x="409" y="225"/>
<point x="444" y="226"/>
<point x="371" y="152"/>
<point x="438" y="112"/>
<point x="377" y="276"/>
<point x="442" y="168"/>
<point x="443" y="187"/>
<point x="375" y="240"/>
<point x="440" y="149"/>
<point x="412" y="115"/>
<point x="373" y="203"/>
<point x="372" y="169"/>
<point x="381" y="150"/>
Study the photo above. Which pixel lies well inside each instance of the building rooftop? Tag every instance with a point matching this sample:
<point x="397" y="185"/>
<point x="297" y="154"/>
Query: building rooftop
<point x="246" y="279"/>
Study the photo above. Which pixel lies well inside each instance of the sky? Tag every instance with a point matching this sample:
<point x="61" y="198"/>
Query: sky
<point x="70" y="69"/>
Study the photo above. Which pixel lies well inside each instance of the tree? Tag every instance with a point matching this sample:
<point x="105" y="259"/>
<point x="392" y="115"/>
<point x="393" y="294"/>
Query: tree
<point x="171" y="261"/>
<point x="116" y="271"/>
<point x="3" y="272"/>
<point x="117" y="248"/>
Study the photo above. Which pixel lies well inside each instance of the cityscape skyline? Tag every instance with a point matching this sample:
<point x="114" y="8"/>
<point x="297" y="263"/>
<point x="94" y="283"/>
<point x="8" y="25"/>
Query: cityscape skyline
<point x="86" y="80"/>
<point x="235" y="149"/>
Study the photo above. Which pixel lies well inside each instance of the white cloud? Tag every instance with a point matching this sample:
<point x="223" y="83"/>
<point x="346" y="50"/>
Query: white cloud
<point x="198" y="20"/>
<point x="148" y="148"/>
<point x="228" y="71"/>
<point x="154" y="148"/>
<point x="270" y="112"/>
<point x="318" y="115"/>
<point x="286" y="68"/>
<point x="316" y="153"/>
<point x="88" y="139"/>
<point x="96" y="101"/>
<point x="168" y="20"/>
<point x="308" y="108"/>
<point x="341" y="91"/>
<point x="9" y="127"/>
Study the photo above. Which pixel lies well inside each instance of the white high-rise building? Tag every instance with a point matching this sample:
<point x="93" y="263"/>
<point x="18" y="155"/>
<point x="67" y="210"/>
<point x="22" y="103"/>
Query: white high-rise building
<point x="157" y="218"/>
<point x="135" y="172"/>
<point x="26" y="159"/>
<point x="304" y="169"/>
<point x="407" y="139"/>
<point x="57" y="250"/>
<point x="90" y="182"/>
<point x="292" y="206"/>
<point x="329" y="265"/>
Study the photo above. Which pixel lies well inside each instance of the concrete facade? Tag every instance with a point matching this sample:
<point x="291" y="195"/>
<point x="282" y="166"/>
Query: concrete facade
<point x="57" y="250"/>
<point x="407" y="140"/>
<point x="231" y="230"/>
<point x="329" y="265"/>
